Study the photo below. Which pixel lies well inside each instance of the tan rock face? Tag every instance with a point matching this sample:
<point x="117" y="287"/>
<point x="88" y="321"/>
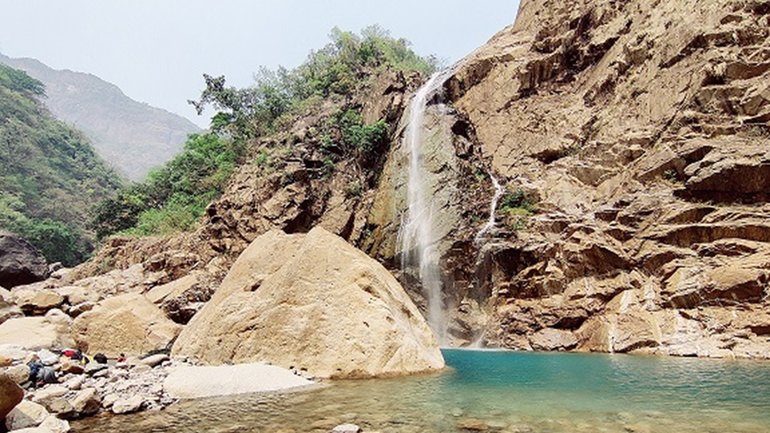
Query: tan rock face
<point x="312" y="303"/>
<point x="642" y="129"/>
<point x="10" y="395"/>
<point x="129" y="324"/>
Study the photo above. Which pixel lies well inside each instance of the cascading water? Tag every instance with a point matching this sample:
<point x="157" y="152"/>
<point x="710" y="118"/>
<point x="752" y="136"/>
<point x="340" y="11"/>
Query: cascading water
<point x="499" y="190"/>
<point x="416" y="234"/>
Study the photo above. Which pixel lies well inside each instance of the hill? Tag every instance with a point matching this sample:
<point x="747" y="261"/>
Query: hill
<point x="132" y="136"/>
<point x="50" y="175"/>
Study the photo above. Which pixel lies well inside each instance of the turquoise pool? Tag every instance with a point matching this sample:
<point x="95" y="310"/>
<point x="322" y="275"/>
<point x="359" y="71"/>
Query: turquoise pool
<point x="499" y="391"/>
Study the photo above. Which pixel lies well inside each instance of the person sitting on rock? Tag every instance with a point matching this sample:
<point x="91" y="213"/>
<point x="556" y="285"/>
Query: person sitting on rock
<point x="121" y="358"/>
<point x="35" y="367"/>
<point x="47" y="375"/>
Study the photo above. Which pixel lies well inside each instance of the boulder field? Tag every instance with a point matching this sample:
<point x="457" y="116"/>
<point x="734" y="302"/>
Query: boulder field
<point x="313" y="303"/>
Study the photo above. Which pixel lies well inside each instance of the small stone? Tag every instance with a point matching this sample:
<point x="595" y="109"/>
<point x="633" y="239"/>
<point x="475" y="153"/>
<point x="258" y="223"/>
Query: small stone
<point x="109" y="400"/>
<point x="101" y="373"/>
<point x="128" y="405"/>
<point x="347" y="428"/>
<point x="61" y="407"/>
<point x="141" y="369"/>
<point x="67" y="366"/>
<point x="5" y="361"/>
<point x="53" y="424"/>
<point x="94" y="367"/>
<point x="75" y="383"/>
<point x="154" y="360"/>
<point x="26" y="414"/>
<point x="46" y="395"/>
<point x="472" y="424"/>
<point x="87" y="402"/>
<point x="18" y="373"/>
<point x="47" y="357"/>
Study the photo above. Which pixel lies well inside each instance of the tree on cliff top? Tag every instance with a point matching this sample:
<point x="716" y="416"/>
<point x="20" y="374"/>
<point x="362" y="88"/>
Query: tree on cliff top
<point x="174" y="197"/>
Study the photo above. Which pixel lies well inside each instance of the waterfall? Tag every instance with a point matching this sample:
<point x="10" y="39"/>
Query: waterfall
<point x="499" y="190"/>
<point x="416" y="234"/>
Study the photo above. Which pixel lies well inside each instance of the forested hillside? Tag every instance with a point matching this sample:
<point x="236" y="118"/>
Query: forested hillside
<point x="132" y="136"/>
<point x="50" y="175"/>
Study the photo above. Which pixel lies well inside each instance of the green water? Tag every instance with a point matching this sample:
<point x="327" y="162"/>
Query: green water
<point x="499" y="391"/>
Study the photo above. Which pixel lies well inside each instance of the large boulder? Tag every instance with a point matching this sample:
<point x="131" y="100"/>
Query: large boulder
<point x="34" y="333"/>
<point x="129" y="324"/>
<point x="8" y="310"/>
<point x="10" y="395"/>
<point x="20" y="262"/>
<point x="312" y="303"/>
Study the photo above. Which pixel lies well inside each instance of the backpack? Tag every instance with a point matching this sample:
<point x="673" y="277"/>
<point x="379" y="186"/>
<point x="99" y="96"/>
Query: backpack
<point x="100" y="358"/>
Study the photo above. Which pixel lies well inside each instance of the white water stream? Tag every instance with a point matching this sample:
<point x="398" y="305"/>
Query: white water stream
<point x="499" y="191"/>
<point x="416" y="234"/>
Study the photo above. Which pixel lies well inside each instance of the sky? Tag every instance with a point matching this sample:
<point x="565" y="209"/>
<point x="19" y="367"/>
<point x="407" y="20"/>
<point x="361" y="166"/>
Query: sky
<point x="157" y="50"/>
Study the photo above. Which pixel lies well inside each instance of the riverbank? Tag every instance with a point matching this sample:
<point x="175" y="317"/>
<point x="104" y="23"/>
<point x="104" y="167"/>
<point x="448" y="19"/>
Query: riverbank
<point x="150" y="384"/>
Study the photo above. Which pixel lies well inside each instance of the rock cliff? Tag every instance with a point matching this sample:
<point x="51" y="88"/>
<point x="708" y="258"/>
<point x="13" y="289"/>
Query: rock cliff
<point x="631" y="138"/>
<point x="641" y="130"/>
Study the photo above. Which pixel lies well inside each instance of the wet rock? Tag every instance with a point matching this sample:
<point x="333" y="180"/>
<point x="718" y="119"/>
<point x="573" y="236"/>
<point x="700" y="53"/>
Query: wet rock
<point x="472" y="425"/>
<point x="347" y="428"/>
<point x="128" y="405"/>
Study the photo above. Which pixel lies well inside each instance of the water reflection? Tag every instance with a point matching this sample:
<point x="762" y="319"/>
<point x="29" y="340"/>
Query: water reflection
<point x="499" y="391"/>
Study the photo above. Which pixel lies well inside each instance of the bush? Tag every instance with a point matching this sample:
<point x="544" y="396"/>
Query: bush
<point x="516" y="208"/>
<point x="174" y="197"/>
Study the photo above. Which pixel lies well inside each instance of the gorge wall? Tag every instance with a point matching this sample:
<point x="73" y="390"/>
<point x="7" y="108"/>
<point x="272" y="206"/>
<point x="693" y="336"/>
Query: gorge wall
<point x="637" y="134"/>
<point x="641" y="130"/>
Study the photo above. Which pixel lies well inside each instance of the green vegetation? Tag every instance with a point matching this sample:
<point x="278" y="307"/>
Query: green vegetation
<point x="174" y="197"/>
<point x="346" y="136"/>
<point x="517" y="207"/>
<point x="333" y="71"/>
<point x="49" y="173"/>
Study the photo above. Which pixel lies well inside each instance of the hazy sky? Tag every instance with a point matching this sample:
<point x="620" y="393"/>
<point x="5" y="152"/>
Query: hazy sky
<point x="157" y="50"/>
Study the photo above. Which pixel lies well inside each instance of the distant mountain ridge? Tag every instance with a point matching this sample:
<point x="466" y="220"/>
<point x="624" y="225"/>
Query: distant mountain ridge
<point x="132" y="136"/>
